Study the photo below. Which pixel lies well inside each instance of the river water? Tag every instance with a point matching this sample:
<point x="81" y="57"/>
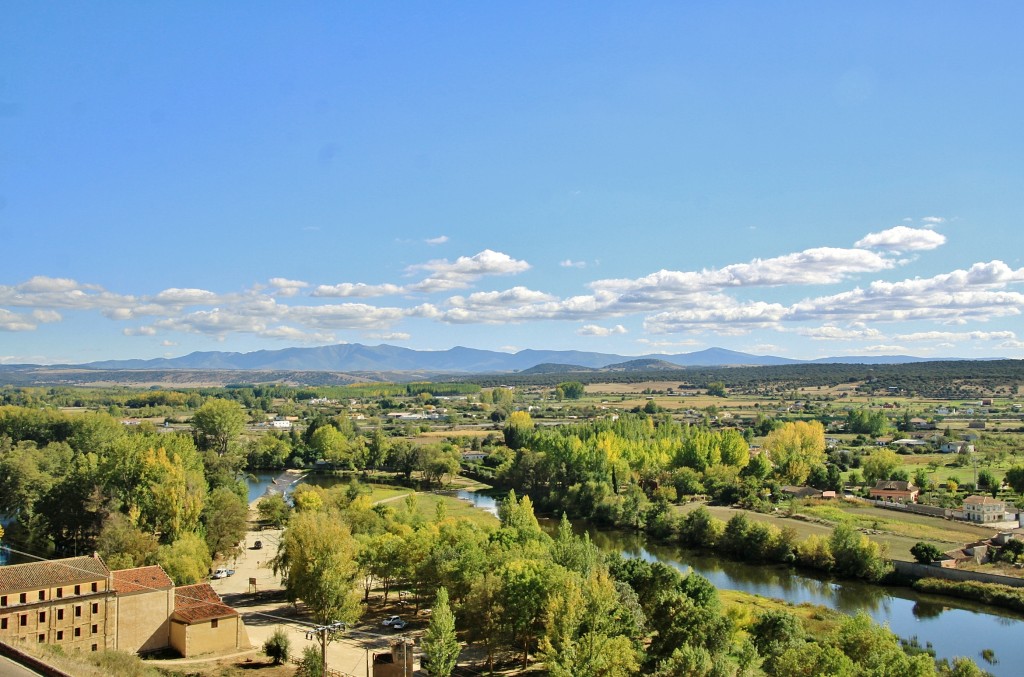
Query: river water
<point x="953" y="627"/>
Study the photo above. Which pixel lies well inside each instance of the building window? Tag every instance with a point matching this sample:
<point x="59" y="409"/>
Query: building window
<point x="78" y="632"/>
<point x="60" y="635"/>
<point x="3" y="623"/>
<point x="95" y="628"/>
<point x="95" y="647"/>
<point x="24" y="620"/>
<point x="78" y="590"/>
<point x="42" y="616"/>
<point x="95" y="607"/>
<point x="60" y="614"/>
<point x="3" y="600"/>
<point x="95" y="587"/>
<point x="60" y="592"/>
<point x="213" y="623"/>
<point x="23" y="597"/>
<point x="42" y="638"/>
<point x="78" y="611"/>
<point x="42" y="594"/>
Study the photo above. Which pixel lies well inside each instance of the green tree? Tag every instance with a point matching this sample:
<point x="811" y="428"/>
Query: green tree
<point x="518" y="429"/>
<point x="124" y="545"/>
<point x="217" y="423"/>
<point x="880" y="465"/>
<point x="186" y="560"/>
<point x="572" y="390"/>
<point x="274" y="509"/>
<point x="317" y="563"/>
<point x="925" y="553"/>
<point x="311" y="664"/>
<point x="440" y="645"/>
<point x="856" y="555"/>
<point x="225" y="517"/>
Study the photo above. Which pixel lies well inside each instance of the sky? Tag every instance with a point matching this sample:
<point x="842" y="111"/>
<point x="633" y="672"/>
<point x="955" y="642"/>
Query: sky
<point x="801" y="179"/>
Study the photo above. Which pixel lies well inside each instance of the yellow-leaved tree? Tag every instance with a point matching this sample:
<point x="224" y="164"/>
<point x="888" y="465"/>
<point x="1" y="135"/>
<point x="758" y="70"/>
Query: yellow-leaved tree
<point x="795" y="448"/>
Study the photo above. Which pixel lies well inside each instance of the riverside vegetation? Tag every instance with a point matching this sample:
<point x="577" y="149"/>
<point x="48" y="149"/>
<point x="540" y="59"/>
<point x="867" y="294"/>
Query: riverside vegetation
<point x="142" y="494"/>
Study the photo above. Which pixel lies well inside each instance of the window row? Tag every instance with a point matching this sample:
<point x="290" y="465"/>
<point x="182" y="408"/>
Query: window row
<point x="23" y="597"/>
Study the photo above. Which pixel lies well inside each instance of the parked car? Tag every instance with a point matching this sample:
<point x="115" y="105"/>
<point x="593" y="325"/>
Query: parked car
<point x="392" y="621"/>
<point x="398" y="625"/>
<point x="220" y="573"/>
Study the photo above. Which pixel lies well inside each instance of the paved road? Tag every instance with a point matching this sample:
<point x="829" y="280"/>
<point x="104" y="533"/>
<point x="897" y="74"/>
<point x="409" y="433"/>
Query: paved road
<point x="9" y="668"/>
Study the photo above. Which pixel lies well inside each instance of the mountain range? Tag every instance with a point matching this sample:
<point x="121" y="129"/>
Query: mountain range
<point x="355" y="357"/>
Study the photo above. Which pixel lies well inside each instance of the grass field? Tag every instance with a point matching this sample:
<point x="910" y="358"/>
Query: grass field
<point x="744" y="608"/>
<point x="898" y="532"/>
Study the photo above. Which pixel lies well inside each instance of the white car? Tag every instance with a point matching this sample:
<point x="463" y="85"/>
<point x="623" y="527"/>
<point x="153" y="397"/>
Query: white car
<point x="393" y="622"/>
<point x="219" y="573"/>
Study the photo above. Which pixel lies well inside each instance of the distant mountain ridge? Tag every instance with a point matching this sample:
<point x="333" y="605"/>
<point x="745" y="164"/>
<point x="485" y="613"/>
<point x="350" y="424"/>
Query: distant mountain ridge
<point x="356" y="357"/>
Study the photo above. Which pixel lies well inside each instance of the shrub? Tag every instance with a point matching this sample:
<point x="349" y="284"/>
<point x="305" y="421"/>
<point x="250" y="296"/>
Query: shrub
<point x="277" y="647"/>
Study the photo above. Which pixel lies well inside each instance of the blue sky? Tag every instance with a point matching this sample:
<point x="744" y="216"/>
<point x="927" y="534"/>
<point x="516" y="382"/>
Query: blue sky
<point x="800" y="179"/>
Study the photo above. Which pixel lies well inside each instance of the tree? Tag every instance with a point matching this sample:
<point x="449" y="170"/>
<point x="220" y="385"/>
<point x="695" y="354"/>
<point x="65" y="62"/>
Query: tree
<point x="123" y="545"/>
<point x="440" y="646"/>
<point x="571" y="390"/>
<point x="274" y="509"/>
<point x="880" y="465"/>
<point x="856" y="556"/>
<point x="278" y="646"/>
<point x="1015" y="477"/>
<point x="925" y="553"/>
<point x="518" y="429"/>
<point x="717" y="389"/>
<point x="187" y="560"/>
<point x="316" y="560"/>
<point x="218" y="422"/>
<point x="795" y="448"/>
<point x="225" y="517"/>
<point x="311" y="664"/>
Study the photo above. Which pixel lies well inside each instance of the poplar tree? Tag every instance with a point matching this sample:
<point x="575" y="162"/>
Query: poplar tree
<point x="440" y="645"/>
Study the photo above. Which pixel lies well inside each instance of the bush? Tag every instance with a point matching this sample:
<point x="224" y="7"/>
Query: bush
<point x="311" y="664"/>
<point x="925" y="553"/>
<point x="986" y="593"/>
<point x="277" y="647"/>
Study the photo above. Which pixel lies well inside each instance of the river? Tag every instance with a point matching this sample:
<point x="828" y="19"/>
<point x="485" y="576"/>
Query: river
<point x="953" y="627"/>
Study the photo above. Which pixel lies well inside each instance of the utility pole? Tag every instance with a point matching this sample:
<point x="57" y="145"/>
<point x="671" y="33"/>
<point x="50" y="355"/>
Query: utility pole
<point x="325" y="633"/>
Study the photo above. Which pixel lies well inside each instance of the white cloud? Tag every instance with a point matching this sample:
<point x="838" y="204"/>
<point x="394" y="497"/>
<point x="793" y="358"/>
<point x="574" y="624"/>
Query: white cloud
<point x="569" y="263"/>
<point x="139" y="331"/>
<point x="832" y="333"/>
<point x="185" y="297"/>
<point x="434" y="241"/>
<point x="166" y="343"/>
<point x="292" y="334"/>
<point x="391" y="336"/>
<point x="933" y="219"/>
<point x="821" y="265"/>
<point x="285" y="287"/>
<point x="488" y="300"/>
<point x="882" y="348"/>
<point x="14" y="322"/>
<point x="597" y="330"/>
<point x="43" y="284"/>
<point x="446" y="275"/>
<point x="902" y="239"/>
<point x="683" y="343"/>
<point x="46" y="316"/>
<point x="356" y="290"/>
<point x="952" y="336"/>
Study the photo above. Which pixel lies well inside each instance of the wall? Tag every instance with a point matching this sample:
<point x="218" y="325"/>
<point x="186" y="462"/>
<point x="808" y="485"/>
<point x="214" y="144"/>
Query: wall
<point x="916" y="570"/>
<point x="143" y="620"/>
<point x="201" y="638"/>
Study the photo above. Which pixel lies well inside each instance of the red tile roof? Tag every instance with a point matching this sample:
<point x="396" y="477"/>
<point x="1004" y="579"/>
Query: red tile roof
<point x="141" y="579"/>
<point x="52" y="573"/>
<point x="199" y="602"/>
